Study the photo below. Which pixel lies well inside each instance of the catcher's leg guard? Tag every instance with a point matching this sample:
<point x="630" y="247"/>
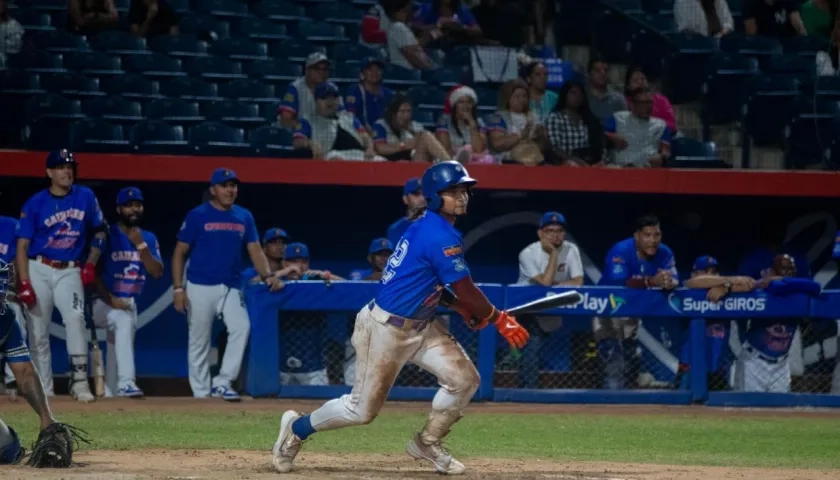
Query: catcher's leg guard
<point x="11" y="453"/>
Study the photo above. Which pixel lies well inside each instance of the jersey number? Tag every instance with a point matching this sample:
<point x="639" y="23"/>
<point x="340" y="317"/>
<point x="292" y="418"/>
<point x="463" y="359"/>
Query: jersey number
<point x="394" y="261"/>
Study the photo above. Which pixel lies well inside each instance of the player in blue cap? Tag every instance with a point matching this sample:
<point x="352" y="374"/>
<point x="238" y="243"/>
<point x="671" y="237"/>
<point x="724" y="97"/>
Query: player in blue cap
<point x="378" y="252"/>
<point x="398" y="326"/>
<point x="414" y="202"/>
<point x="368" y="99"/>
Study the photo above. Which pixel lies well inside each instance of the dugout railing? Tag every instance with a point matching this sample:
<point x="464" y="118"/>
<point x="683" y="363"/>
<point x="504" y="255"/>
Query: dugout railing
<point x="663" y="316"/>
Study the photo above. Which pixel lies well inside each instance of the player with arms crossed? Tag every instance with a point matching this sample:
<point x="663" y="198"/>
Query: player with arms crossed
<point x="51" y="234"/>
<point x="398" y="326"/>
<point x="130" y="254"/>
<point x="213" y="234"/>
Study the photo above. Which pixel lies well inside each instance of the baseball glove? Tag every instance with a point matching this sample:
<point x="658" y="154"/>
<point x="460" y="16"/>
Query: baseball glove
<point x="54" y="447"/>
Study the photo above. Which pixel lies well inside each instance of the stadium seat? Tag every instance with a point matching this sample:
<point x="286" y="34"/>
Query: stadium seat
<point x="58" y="41"/>
<point x="320" y="32"/>
<point x="293" y="49"/>
<point x="828" y="88"/>
<point x="19" y="82"/>
<point x="71" y="84"/>
<point x="344" y="72"/>
<point x="45" y="134"/>
<point x="427" y="118"/>
<point x="658" y="7"/>
<point x="270" y="141"/>
<point x="53" y="106"/>
<point x="114" y="109"/>
<point x="686" y="66"/>
<point x="175" y="111"/>
<point x="36" y="62"/>
<point x="215" y="68"/>
<point x="232" y="112"/>
<point x="274" y="70"/>
<point x="280" y="10"/>
<point x="131" y="86"/>
<point x="239" y="49"/>
<point x="427" y="96"/>
<point x="447" y="76"/>
<point x="190" y="88"/>
<point x="223" y="8"/>
<point x="756" y="46"/>
<point x="337" y="12"/>
<point x="352" y="52"/>
<point x="611" y="33"/>
<point x="262" y="29"/>
<point x="32" y="20"/>
<point x="401" y="77"/>
<point x="806" y="46"/>
<point x="179" y="46"/>
<point x="49" y="5"/>
<point x="155" y="136"/>
<point x="803" y="68"/>
<point x="248" y="89"/>
<point x="268" y="111"/>
<point x="97" y="135"/>
<point x="460" y="55"/>
<point x="94" y="63"/>
<point x="155" y="65"/>
<point x="628" y="6"/>
<point x="120" y="43"/>
<point x="688" y="152"/>
<point x="815" y="124"/>
<point x="217" y="139"/>
<point x="203" y="25"/>
<point x="725" y="91"/>
<point x="180" y="6"/>
<point x="769" y="108"/>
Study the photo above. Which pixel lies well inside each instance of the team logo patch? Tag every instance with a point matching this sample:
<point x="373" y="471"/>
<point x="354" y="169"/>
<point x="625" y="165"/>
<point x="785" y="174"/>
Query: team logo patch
<point x="351" y="99"/>
<point x="617" y="260"/>
<point x="452" y="250"/>
<point x="290" y="97"/>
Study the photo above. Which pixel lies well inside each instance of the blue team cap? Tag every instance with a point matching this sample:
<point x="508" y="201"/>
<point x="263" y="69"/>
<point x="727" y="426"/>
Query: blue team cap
<point x="326" y="89"/>
<point x="552" y="218"/>
<point x="412" y="186"/>
<point x="274" y="234"/>
<point x="222" y="175"/>
<point x="380" y="245"/>
<point x="704" y="263"/>
<point x="59" y="157"/>
<point x="297" y="250"/>
<point x="129" y="194"/>
<point x="371" y="61"/>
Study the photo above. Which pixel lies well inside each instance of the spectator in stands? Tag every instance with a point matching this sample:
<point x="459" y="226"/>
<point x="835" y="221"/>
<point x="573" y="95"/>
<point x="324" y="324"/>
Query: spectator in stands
<point x="404" y="49"/>
<point x="333" y="134"/>
<point x="11" y="34"/>
<point x="706" y="17"/>
<point x="550" y="261"/>
<point x="398" y="138"/>
<point x="575" y="133"/>
<point x="662" y="107"/>
<point x="604" y="101"/>
<point x="368" y="99"/>
<point x="448" y="21"/>
<point x="462" y="133"/>
<point x="152" y="18"/>
<point x="378" y="252"/>
<point x="818" y="17"/>
<point x="89" y="17"/>
<point x="640" y="139"/>
<point x="542" y="100"/>
<point x="375" y="25"/>
<point x="298" y="101"/>
<point x="514" y="132"/>
<point x="773" y="18"/>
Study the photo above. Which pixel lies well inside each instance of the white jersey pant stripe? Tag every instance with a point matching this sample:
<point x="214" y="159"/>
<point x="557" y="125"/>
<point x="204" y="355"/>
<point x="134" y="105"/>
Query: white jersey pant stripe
<point x="121" y="326"/>
<point x="206" y="302"/>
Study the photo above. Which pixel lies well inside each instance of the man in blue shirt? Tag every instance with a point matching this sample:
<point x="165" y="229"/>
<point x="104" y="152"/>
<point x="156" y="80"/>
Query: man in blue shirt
<point x="414" y="203"/>
<point x="368" y="99"/>
<point x="641" y="261"/>
<point x="378" y="252"/>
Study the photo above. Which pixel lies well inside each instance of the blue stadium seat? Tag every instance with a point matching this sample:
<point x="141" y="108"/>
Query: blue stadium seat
<point x="803" y="68"/>
<point x="155" y="136"/>
<point x="427" y="118"/>
<point x="239" y="49"/>
<point x="53" y="106"/>
<point x="216" y="68"/>
<point x="352" y="52"/>
<point x="36" y="61"/>
<point x="488" y="98"/>
<point x="829" y="89"/>
<point x="293" y="49"/>
<point x="180" y="6"/>
<point x="756" y="46"/>
<point x="45" y="134"/>
<point x="447" y="76"/>
<point x="274" y="70"/>
<point x="460" y="55"/>
<point x="725" y="90"/>
<point x="174" y="110"/>
<point x="71" y="84"/>
<point x="223" y="8"/>
<point x="49" y="5"/>
<point x="320" y="32"/>
<point x="203" y="24"/>
<point x="248" y="89"/>
<point x="268" y="111"/>
<point x="19" y="82"/>
<point x="611" y="33"/>
<point x="120" y="43"/>
<point x="345" y="73"/>
<point x="131" y="86"/>
<point x="399" y="76"/>
<point x="179" y="46"/>
<point x="280" y="10"/>
<point x="769" y="108"/>
<point x="232" y="112"/>
<point x="59" y="41"/>
<point x="114" y="109"/>
<point x="270" y="141"/>
<point x="154" y="65"/>
<point x="217" y="139"/>
<point x="686" y="66"/>
<point x="97" y="135"/>
<point x="190" y="88"/>
<point x="94" y="63"/>
<point x="806" y="46"/>
<point x="32" y="20"/>
<point x="688" y="152"/>
<point x="427" y="96"/>
<point x="338" y="12"/>
<point x="815" y="124"/>
<point x="262" y="29"/>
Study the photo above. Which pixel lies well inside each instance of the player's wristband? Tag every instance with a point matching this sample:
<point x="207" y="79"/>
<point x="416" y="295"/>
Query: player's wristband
<point x="178" y="289"/>
<point x="142" y="246"/>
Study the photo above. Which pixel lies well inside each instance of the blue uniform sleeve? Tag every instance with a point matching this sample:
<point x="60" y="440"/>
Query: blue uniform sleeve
<point x="358" y="125"/>
<point x="190" y="228"/>
<point x="666" y="136"/>
<point x="302" y="129"/>
<point x="26" y="224"/>
<point x="446" y="254"/>
<point x="669" y="263"/>
<point x="94" y="213"/>
<point x="466" y="17"/>
<point x="609" y="125"/>
<point x="497" y="123"/>
<point x="251" y="234"/>
<point x="442" y="125"/>
<point x="617" y="268"/>
<point x="379" y="133"/>
<point x="154" y="245"/>
<point x="289" y="103"/>
<point x="352" y="99"/>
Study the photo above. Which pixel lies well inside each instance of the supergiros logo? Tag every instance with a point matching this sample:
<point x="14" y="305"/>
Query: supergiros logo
<point x="729" y="304"/>
<point x="599" y="304"/>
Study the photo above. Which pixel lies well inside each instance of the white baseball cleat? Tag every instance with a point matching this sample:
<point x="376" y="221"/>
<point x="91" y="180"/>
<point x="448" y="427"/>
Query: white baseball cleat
<point x="287" y="445"/>
<point x="81" y="392"/>
<point x="435" y="453"/>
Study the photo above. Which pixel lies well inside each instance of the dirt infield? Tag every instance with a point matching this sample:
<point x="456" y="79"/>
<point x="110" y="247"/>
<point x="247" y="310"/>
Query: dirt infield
<point x="255" y="465"/>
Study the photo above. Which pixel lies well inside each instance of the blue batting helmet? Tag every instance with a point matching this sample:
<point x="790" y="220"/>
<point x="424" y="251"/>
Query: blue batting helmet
<point x="441" y="176"/>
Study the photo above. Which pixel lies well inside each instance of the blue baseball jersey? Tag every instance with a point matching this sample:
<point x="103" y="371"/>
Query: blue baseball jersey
<point x="623" y="263"/>
<point x="772" y="337"/>
<point x="124" y="273"/>
<point x="428" y="256"/>
<point x="397" y="230"/>
<point x="57" y="227"/>
<point x="716" y="343"/>
<point x="367" y="106"/>
<point x="216" y="239"/>
<point x="758" y="262"/>
<point x="12" y="346"/>
<point x="360" y="274"/>
<point x="8" y="242"/>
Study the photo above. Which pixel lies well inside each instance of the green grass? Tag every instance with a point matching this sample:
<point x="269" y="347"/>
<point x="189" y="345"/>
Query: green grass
<point x="678" y="440"/>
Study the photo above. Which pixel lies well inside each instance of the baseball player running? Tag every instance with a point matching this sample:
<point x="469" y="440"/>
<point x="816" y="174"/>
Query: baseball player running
<point x="213" y="234"/>
<point x="130" y="254"/>
<point x="397" y="326"/>
<point x="8" y="225"/>
<point x="414" y="202"/>
<point x="51" y="237"/>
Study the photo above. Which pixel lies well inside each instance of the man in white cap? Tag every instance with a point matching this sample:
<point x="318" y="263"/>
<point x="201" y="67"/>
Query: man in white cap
<point x="299" y="100"/>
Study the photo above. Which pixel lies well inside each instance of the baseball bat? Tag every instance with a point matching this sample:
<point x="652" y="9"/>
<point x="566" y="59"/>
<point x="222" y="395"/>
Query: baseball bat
<point x="97" y="366"/>
<point x="547" y="303"/>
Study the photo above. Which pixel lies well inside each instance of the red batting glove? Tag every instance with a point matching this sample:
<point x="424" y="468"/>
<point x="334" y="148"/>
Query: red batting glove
<point x="514" y="333"/>
<point x="26" y="294"/>
<point x="88" y="274"/>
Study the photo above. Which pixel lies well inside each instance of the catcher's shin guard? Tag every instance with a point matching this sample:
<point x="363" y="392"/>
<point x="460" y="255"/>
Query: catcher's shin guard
<point x="12" y="453"/>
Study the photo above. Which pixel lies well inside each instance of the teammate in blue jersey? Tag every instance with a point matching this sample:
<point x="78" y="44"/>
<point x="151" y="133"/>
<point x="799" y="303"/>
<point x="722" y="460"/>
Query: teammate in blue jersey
<point x="399" y="326"/>
<point x="641" y="261"/>
<point x="51" y="235"/>
<point x="378" y="253"/>
<point x="414" y="202"/>
<point x="8" y="247"/>
<point x="213" y="235"/>
<point x="130" y="254"/>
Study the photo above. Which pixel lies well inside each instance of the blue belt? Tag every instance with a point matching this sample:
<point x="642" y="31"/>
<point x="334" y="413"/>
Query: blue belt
<point x="402" y="323"/>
